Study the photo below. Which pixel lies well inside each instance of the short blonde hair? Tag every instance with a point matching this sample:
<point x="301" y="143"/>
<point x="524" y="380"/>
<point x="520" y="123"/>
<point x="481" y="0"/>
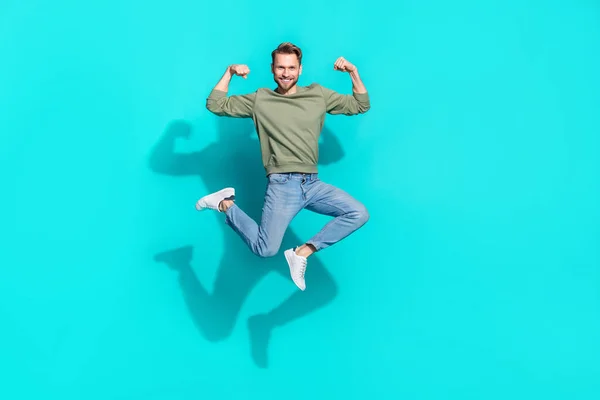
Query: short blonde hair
<point x="287" y="48"/>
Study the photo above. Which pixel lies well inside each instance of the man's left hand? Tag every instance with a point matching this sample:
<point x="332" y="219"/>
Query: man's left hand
<point x="341" y="64"/>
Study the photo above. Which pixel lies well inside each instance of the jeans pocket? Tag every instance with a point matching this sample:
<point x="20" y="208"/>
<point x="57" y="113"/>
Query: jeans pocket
<point x="279" y="178"/>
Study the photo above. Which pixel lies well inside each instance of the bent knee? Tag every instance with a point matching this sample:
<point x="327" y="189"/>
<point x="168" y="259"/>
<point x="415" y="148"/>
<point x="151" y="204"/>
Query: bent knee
<point x="361" y="215"/>
<point x="266" y="252"/>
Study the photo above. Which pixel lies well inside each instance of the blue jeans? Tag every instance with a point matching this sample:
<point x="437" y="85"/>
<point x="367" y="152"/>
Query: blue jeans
<point x="286" y="195"/>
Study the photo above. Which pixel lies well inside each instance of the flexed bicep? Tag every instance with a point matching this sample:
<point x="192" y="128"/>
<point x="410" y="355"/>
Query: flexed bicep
<point x="346" y="104"/>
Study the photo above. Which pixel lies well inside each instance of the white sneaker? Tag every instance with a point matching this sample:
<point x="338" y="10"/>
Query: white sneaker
<point x="212" y="200"/>
<point x="297" y="267"/>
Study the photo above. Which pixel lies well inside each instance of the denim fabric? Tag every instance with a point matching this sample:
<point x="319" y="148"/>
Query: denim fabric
<point x="286" y="195"/>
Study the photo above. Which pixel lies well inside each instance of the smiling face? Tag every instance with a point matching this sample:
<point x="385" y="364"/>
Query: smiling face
<point x="286" y="70"/>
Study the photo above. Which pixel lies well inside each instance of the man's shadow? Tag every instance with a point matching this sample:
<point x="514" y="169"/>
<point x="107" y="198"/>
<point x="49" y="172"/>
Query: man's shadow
<point x="234" y="160"/>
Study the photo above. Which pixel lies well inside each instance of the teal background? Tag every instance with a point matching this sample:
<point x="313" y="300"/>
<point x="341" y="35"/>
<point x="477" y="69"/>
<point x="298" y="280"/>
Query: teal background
<point x="477" y="276"/>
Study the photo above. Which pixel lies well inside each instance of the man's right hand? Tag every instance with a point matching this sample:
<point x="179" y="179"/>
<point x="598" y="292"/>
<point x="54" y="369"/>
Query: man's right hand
<point x="240" y="70"/>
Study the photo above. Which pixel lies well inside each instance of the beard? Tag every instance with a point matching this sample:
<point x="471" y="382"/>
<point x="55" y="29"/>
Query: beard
<point x="286" y="85"/>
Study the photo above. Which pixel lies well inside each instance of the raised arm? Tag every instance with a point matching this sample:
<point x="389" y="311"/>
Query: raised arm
<point x="356" y="103"/>
<point x="237" y="106"/>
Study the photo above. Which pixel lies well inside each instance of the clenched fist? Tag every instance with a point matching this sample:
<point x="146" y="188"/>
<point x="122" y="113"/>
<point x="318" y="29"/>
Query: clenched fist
<point x="240" y="70"/>
<point x="341" y="64"/>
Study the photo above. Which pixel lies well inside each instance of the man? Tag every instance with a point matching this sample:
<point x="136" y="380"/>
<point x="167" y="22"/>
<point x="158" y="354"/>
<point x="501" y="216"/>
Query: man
<point x="289" y="120"/>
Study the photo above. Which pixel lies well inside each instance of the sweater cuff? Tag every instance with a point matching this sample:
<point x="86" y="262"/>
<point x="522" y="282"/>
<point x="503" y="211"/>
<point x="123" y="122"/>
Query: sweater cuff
<point x="362" y="97"/>
<point x="217" y="94"/>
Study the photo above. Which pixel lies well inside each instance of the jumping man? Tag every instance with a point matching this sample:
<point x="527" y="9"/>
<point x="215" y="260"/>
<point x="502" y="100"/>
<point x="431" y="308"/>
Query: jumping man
<point x="289" y="120"/>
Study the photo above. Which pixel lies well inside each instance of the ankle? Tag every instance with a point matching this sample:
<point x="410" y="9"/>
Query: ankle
<point x="305" y="250"/>
<point x="225" y="204"/>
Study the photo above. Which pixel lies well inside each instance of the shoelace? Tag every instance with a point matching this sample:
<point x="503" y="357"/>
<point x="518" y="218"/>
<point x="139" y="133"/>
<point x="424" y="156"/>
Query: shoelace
<point x="302" y="267"/>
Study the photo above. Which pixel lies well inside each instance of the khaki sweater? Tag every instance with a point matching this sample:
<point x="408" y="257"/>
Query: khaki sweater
<point x="288" y="126"/>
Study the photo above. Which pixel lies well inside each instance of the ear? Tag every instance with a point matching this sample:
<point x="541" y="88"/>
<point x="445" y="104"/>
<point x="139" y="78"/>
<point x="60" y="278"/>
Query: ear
<point x="272" y="69"/>
<point x="300" y="70"/>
